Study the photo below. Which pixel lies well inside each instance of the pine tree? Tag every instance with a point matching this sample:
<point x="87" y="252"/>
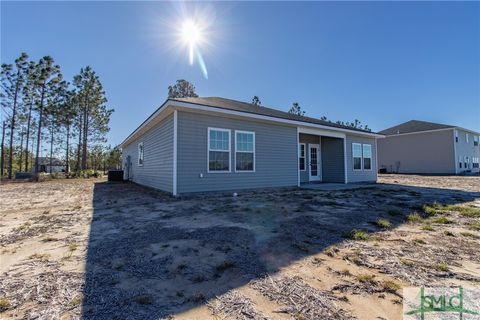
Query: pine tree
<point x="181" y="89"/>
<point x="296" y="109"/>
<point x="49" y="77"/>
<point x="256" y="101"/>
<point x="12" y="82"/>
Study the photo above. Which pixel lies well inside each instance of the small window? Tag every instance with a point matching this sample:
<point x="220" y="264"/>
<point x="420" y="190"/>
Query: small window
<point x="140" y="154"/>
<point x="475" y="140"/>
<point x="465" y="161"/>
<point x="357" y="156"/>
<point x="460" y="162"/>
<point x="456" y="136"/>
<point x="466" y="137"/>
<point x="367" y="157"/>
<point x="218" y="150"/>
<point x="301" y="156"/>
<point x="244" y="151"/>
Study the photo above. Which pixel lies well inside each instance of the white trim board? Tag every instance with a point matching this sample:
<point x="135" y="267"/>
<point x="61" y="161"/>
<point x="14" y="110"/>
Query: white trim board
<point x="175" y="138"/>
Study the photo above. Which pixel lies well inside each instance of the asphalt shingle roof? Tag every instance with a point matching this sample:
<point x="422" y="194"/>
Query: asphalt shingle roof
<point x="222" y="103"/>
<point x="414" y="126"/>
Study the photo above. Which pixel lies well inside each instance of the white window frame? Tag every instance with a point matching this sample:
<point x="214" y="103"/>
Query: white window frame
<point x="466" y="137"/>
<point x="304" y="156"/>
<point x="143" y="154"/>
<point x="363" y="157"/>
<point x="254" y="153"/>
<point x="353" y="156"/>
<point x="229" y="150"/>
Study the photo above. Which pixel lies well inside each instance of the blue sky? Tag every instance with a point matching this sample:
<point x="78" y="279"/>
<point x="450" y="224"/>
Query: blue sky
<point x="382" y="63"/>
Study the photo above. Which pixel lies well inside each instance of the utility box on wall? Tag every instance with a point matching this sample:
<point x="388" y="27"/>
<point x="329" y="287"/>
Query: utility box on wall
<point x="115" y="175"/>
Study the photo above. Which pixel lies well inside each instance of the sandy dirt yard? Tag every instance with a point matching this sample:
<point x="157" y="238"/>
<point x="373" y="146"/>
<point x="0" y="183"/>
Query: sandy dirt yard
<point x="95" y="250"/>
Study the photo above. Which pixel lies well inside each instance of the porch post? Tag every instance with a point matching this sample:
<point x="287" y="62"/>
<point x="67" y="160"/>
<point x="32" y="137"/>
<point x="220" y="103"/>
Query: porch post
<point x="298" y="157"/>
<point x="345" y="158"/>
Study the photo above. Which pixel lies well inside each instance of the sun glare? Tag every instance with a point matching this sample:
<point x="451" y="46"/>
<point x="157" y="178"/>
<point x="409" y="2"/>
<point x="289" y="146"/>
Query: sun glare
<point x="192" y="36"/>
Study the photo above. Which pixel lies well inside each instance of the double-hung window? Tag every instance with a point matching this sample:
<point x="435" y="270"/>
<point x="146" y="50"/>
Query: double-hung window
<point x="367" y="157"/>
<point x="466" y="137"/>
<point x="357" y="156"/>
<point x="218" y="150"/>
<point x="244" y="151"/>
<point x="301" y="156"/>
<point x="456" y="136"/>
<point x="460" y="162"/>
<point x="140" y="154"/>
<point x="475" y="140"/>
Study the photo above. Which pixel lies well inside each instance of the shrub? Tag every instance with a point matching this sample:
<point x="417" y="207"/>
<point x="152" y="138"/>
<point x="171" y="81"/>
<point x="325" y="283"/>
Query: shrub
<point x="358" y="235"/>
<point x="383" y="224"/>
<point x="469" y="235"/>
<point x="390" y="286"/>
<point x="365" y="278"/>
<point x="427" y="227"/>
<point x="4" y="304"/>
<point x="441" y="267"/>
<point x="474" y="226"/>
<point x="433" y="209"/>
<point x="442" y="220"/>
<point x="414" y="218"/>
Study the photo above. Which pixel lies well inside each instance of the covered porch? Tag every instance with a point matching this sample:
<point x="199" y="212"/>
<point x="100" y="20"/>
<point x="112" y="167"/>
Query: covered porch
<point x="322" y="156"/>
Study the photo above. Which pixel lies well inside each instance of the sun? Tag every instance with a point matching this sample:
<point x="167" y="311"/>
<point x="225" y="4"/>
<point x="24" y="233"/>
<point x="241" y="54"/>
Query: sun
<point x="192" y="36"/>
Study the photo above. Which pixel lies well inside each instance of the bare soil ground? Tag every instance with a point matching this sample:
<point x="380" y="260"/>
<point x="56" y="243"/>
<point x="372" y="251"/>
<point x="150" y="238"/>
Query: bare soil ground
<point x="89" y="249"/>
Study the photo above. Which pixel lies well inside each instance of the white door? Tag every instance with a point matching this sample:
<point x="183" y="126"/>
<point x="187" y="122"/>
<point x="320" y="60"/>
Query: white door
<point x="314" y="163"/>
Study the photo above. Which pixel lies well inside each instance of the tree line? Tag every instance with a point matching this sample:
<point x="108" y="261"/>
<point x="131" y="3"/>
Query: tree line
<point x="40" y="108"/>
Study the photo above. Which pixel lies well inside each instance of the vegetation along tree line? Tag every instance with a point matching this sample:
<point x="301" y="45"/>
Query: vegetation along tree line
<point x="46" y="117"/>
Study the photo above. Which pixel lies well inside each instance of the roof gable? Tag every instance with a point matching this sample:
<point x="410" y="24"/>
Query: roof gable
<point x="415" y="126"/>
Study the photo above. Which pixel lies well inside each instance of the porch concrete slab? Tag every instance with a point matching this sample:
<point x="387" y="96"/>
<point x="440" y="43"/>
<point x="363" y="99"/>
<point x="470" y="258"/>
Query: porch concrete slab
<point x="336" y="186"/>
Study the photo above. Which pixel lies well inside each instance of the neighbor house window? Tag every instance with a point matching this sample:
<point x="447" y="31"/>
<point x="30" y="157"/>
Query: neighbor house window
<point x="244" y="151"/>
<point x="367" y="157"/>
<point x="460" y="162"/>
<point x="140" y="154"/>
<point x="301" y="156"/>
<point x="475" y="140"/>
<point x="465" y="162"/>
<point x="357" y="156"/>
<point x="456" y="136"/>
<point x="466" y="137"/>
<point x="218" y="150"/>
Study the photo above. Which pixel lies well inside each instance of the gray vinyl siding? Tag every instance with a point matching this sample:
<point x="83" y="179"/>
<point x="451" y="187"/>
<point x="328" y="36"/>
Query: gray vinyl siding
<point x="428" y="152"/>
<point x="464" y="148"/>
<point x="360" y="175"/>
<point x="333" y="166"/>
<point x="157" y="169"/>
<point x="308" y="138"/>
<point x="276" y="162"/>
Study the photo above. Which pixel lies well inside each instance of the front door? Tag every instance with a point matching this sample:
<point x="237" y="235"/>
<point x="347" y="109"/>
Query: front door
<point x="314" y="164"/>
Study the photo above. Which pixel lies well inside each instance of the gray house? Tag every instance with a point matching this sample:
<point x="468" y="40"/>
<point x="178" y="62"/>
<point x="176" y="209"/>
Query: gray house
<point x="211" y="144"/>
<point x="430" y="148"/>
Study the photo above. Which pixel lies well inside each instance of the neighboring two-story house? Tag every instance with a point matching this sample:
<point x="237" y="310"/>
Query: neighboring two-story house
<point x="429" y="148"/>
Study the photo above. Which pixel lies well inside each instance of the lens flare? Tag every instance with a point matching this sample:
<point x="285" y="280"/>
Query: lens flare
<point x="192" y="35"/>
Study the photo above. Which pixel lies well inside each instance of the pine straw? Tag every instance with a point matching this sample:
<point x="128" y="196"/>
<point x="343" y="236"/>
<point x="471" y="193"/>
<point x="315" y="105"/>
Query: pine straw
<point x="301" y="301"/>
<point x="53" y="291"/>
<point x="234" y="305"/>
